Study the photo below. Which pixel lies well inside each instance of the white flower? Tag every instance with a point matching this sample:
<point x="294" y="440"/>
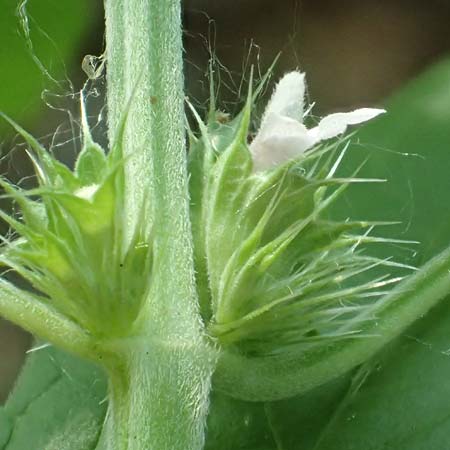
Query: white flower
<point x="282" y="135"/>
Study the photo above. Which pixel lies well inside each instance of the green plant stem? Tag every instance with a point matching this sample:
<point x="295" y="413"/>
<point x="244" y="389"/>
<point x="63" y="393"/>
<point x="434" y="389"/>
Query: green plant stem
<point x="160" y="390"/>
<point x="275" y="378"/>
<point x="153" y="403"/>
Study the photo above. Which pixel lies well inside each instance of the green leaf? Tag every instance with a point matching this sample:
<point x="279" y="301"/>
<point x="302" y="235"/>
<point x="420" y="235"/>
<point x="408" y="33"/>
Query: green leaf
<point x="58" y="400"/>
<point x="403" y="405"/>
<point x="297" y="422"/>
<point x="237" y="425"/>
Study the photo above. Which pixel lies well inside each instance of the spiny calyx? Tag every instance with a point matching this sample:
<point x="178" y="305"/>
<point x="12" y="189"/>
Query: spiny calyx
<point x="278" y="280"/>
<point x="69" y="241"/>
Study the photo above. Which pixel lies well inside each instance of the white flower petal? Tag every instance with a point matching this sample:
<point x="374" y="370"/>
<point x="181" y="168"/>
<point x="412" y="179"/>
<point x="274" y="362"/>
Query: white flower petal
<point x="335" y="124"/>
<point x="282" y="135"/>
<point x="288" y="98"/>
<point x="87" y="192"/>
<point x="279" y="140"/>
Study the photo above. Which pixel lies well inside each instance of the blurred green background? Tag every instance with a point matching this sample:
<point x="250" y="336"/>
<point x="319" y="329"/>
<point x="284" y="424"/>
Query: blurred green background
<point x="355" y="53"/>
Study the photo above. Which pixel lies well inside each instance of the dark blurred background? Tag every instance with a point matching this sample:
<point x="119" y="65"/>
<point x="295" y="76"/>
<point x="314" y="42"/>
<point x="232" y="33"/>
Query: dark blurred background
<point x="355" y="53"/>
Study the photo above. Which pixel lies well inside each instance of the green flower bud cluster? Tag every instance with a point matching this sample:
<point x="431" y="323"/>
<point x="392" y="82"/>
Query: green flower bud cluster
<point x="277" y="279"/>
<point x="69" y="241"/>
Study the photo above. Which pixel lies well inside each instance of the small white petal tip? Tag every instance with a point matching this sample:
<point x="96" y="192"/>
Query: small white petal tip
<point x="87" y="192"/>
<point x="288" y="97"/>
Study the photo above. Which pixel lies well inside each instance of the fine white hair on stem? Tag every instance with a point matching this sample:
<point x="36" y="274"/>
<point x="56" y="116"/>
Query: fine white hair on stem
<point x="283" y="136"/>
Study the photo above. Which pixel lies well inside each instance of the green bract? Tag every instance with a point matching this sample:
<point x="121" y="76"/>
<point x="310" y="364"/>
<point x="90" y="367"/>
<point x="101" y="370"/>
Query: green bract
<point x="69" y="241"/>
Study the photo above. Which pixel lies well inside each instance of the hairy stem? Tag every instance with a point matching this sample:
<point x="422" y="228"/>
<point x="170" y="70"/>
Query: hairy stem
<point x="153" y="404"/>
<point x="160" y="393"/>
